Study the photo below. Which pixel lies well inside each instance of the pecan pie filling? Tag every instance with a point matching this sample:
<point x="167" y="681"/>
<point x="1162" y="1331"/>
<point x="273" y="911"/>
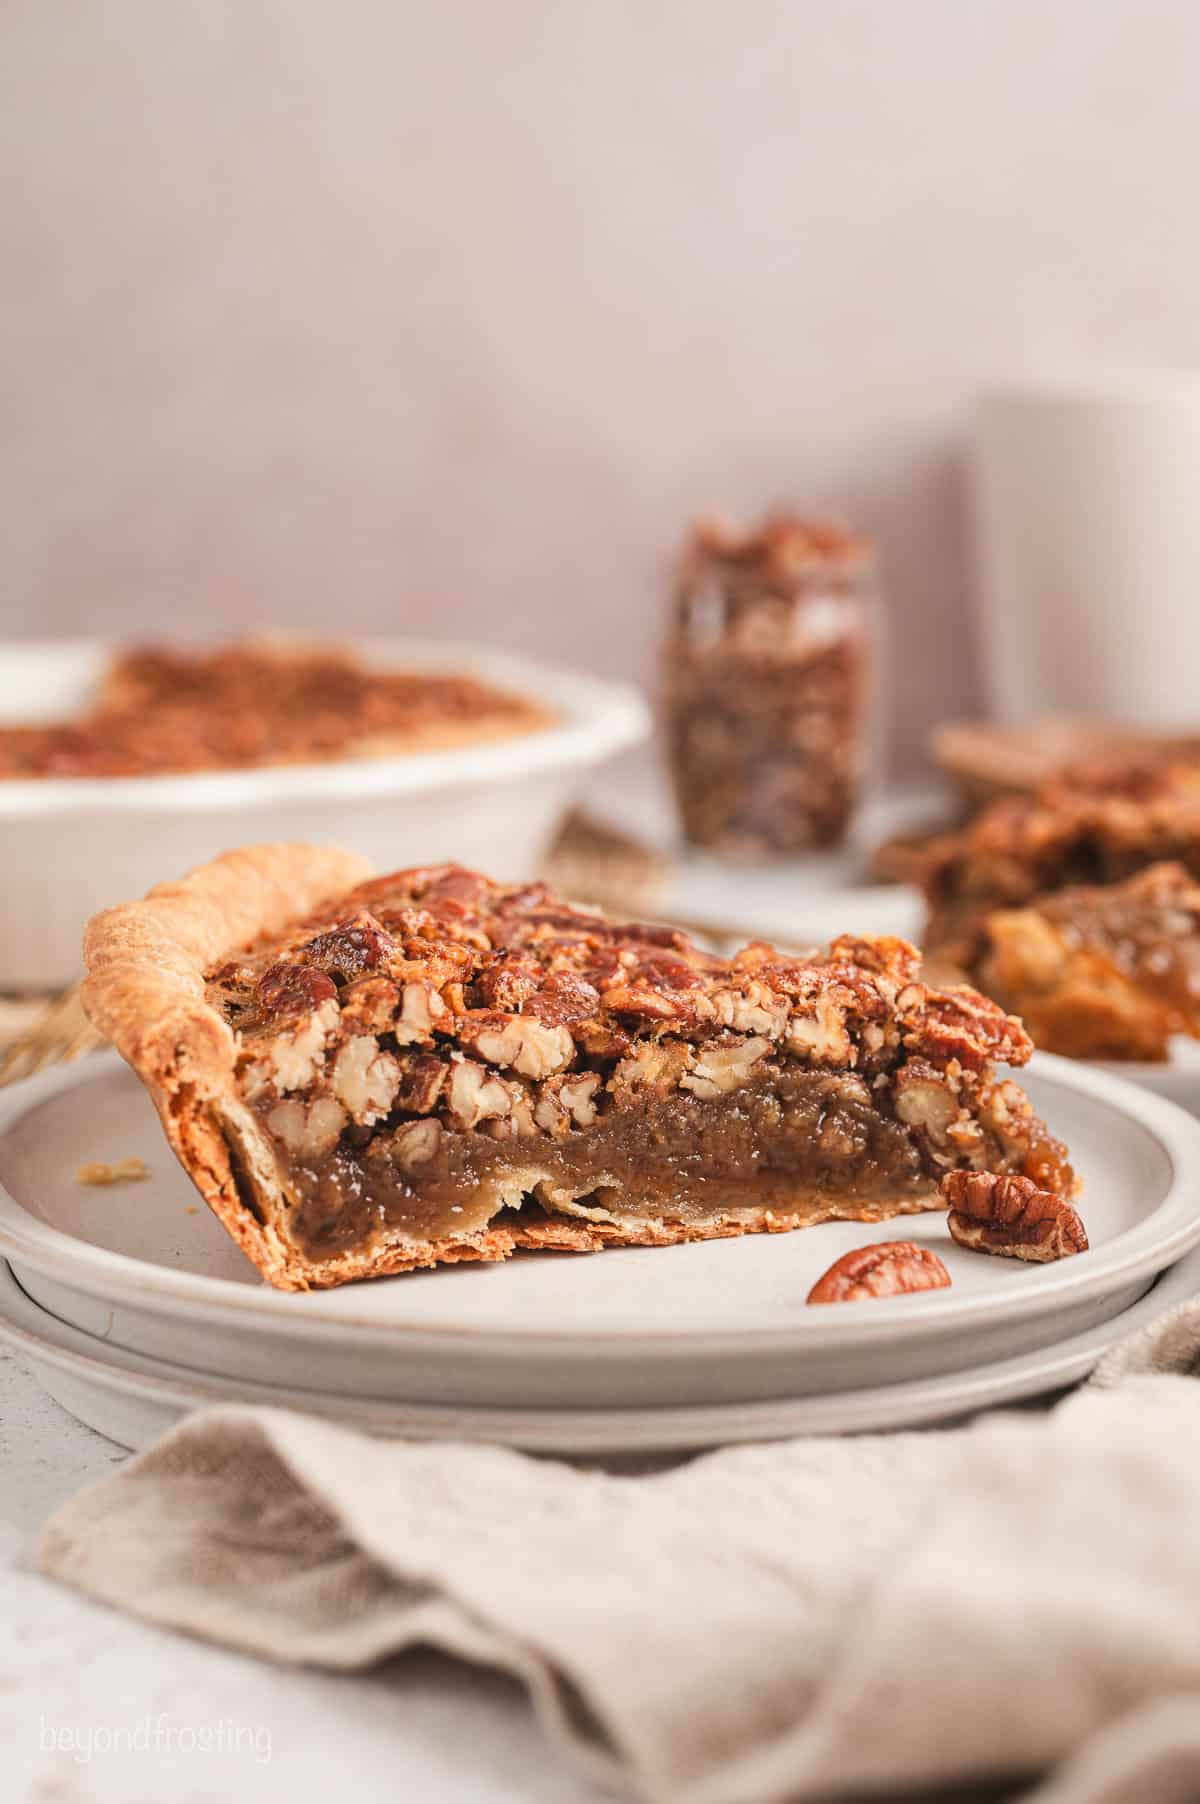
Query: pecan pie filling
<point x="254" y="704"/>
<point x="436" y="1057"/>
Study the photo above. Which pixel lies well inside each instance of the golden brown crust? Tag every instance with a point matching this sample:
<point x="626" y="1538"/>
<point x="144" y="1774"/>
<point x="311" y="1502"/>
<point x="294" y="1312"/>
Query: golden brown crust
<point x="145" y="992"/>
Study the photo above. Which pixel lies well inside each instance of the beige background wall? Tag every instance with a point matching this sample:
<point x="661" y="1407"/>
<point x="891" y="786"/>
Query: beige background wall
<point x="446" y="316"/>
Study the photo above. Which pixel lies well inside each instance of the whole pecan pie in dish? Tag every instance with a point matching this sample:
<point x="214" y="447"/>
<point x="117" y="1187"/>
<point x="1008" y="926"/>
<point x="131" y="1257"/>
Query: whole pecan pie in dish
<point x="369" y="1075"/>
<point x="261" y="702"/>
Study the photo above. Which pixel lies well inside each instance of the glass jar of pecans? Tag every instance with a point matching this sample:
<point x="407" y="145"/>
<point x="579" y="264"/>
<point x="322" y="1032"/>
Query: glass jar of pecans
<point x="766" y="677"/>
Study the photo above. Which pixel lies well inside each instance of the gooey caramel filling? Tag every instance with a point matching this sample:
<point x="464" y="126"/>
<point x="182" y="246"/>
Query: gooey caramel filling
<point x="801" y="1143"/>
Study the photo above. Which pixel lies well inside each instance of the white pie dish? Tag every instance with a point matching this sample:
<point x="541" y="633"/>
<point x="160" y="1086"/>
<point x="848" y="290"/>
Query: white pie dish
<point x="74" y="845"/>
<point x="145" y="1266"/>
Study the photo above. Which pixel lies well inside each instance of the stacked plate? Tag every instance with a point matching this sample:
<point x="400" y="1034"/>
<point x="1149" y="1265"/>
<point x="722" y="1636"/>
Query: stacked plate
<point x="132" y="1306"/>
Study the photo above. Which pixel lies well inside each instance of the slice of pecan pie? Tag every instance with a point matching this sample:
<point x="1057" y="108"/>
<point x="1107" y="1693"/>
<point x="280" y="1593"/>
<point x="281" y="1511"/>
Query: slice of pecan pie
<point x="1102" y="971"/>
<point x="372" y="1076"/>
<point x="1102" y="824"/>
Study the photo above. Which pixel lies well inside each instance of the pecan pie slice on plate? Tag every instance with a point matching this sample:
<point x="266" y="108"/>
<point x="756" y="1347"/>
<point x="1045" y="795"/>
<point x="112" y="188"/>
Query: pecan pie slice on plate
<point x="1093" y="826"/>
<point x="1102" y="971"/>
<point x="366" y="1076"/>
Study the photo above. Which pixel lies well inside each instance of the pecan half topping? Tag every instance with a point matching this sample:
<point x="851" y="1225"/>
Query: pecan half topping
<point x="346" y="952"/>
<point x="289" y="989"/>
<point x="886" y="955"/>
<point x="640" y="999"/>
<point x="891" y="1268"/>
<point x="509" y="981"/>
<point x="563" y="1000"/>
<point x="959" y="1023"/>
<point x="1010" y="1216"/>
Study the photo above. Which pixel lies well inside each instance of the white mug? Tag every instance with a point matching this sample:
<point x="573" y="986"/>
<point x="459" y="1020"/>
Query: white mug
<point x="1087" y="520"/>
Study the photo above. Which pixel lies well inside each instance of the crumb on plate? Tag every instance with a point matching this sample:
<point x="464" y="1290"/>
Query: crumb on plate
<point x="124" y="1171"/>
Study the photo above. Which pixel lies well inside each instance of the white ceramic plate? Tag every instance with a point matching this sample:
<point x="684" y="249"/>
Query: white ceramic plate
<point x="146" y="1267"/>
<point x="75" y="845"/>
<point x="1177" y="1078"/>
<point x="133" y="1399"/>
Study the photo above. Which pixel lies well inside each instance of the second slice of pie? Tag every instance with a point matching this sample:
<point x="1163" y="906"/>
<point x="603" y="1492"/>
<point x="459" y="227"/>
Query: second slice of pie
<point x="366" y="1076"/>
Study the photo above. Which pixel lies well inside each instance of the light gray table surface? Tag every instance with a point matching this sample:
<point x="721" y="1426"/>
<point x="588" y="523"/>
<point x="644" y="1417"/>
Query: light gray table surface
<point x="72" y="1674"/>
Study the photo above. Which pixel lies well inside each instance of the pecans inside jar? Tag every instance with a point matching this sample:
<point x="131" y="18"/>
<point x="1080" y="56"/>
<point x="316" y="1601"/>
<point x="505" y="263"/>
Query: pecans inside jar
<point x="765" y="684"/>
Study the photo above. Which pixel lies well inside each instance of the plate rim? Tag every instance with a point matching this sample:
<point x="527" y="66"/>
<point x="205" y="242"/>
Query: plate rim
<point x="117" y="1277"/>
<point x="582" y="1432"/>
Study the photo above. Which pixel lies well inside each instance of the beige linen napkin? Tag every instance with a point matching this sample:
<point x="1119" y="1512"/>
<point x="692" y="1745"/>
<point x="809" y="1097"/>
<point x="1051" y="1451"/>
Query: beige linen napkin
<point x="813" y="1619"/>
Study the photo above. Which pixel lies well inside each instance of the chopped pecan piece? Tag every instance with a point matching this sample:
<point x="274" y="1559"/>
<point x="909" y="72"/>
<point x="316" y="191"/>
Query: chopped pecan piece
<point x="638" y="999"/>
<point x="294" y="1057"/>
<point x="365" y="1080"/>
<point x="308" y="1130"/>
<point x="821" y="1036"/>
<point x="925" y="1098"/>
<point x="1009" y="1215"/>
<point x="415" y="1143"/>
<point x="421" y="1008"/>
<point x="654" y="1066"/>
<point x="474" y="1095"/>
<point x="421" y="1083"/>
<point x="754" y="1010"/>
<point x="567" y="1102"/>
<point x="722" y="1068"/>
<point x="577" y="1097"/>
<point x="520" y="1042"/>
<point x="369" y="1006"/>
<point x="892" y="1268"/>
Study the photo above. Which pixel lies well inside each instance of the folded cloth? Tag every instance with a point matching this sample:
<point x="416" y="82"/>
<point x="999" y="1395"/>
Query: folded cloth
<point x="811" y="1619"/>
